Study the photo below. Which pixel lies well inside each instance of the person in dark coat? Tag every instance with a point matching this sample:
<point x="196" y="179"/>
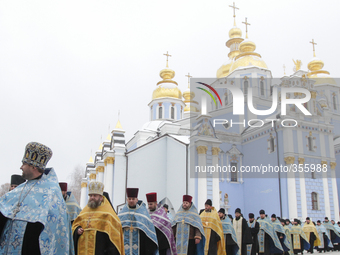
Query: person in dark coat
<point x="254" y="227"/>
<point x="242" y="231"/>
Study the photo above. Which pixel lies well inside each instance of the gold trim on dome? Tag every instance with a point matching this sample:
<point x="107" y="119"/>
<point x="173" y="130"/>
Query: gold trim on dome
<point x="92" y="176"/>
<point x="84" y="184"/>
<point x="247" y="54"/>
<point x="100" y="169"/>
<point x="233" y="40"/>
<point x="215" y="150"/>
<point x="333" y="165"/>
<point x="235" y="32"/>
<point x="202" y="149"/>
<point x="289" y="160"/>
<point x="301" y="160"/>
<point x="244" y="62"/>
<point x="167" y="92"/>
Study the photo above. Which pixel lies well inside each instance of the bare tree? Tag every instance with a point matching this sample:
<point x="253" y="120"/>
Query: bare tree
<point x="4" y="188"/>
<point x="75" y="184"/>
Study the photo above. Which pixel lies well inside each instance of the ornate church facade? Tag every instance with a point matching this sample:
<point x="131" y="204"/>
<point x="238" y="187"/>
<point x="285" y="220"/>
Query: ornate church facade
<point x="180" y="136"/>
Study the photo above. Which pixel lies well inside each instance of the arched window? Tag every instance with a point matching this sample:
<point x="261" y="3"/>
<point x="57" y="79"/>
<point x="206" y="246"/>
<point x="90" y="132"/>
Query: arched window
<point x="160" y="112"/>
<point x="172" y="114"/>
<point x="262" y="88"/>
<point x="245" y="87"/>
<point x="233" y="172"/>
<point x="315" y="201"/>
<point x="334" y="101"/>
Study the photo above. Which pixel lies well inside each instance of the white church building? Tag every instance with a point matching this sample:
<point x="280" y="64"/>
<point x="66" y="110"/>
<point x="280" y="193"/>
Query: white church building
<point x="164" y="153"/>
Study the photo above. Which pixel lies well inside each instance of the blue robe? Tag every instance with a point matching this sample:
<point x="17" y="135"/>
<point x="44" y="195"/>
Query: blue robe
<point x="229" y="229"/>
<point x="267" y="228"/>
<point x="73" y="209"/>
<point x="184" y="219"/>
<point x="44" y="204"/>
<point x="133" y="221"/>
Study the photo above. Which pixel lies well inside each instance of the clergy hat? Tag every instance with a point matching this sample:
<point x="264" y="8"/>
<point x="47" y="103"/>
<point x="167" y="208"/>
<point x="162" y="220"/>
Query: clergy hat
<point x="187" y="198"/>
<point x="208" y="202"/>
<point x="166" y="206"/>
<point x="296" y="220"/>
<point x="282" y="220"/>
<point x="151" y="197"/>
<point x="230" y="216"/>
<point x="96" y="188"/>
<point x="17" y="179"/>
<point x="262" y="212"/>
<point x="274" y="215"/>
<point x="238" y="210"/>
<point x="251" y="215"/>
<point x="63" y="186"/>
<point x="132" y="192"/>
<point x="37" y="154"/>
<point x="288" y="220"/>
<point x="307" y="218"/>
<point x="338" y="222"/>
<point x="222" y="210"/>
<point x="326" y="218"/>
<point x="319" y="221"/>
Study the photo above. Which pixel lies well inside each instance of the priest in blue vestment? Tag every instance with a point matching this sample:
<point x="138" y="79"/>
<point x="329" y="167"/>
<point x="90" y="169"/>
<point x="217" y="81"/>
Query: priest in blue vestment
<point x="33" y="217"/>
<point x="138" y="229"/>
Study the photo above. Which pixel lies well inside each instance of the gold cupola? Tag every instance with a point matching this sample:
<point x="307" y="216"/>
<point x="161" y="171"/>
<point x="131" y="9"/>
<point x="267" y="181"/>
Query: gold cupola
<point x="167" y="87"/>
<point x="188" y="95"/>
<point x="316" y="73"/>
<point x="235" y="38"/>
<point x="247" y="56"/>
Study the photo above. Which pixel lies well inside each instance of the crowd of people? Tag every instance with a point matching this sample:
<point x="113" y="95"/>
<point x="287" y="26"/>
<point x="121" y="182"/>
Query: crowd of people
<point x="39" y="216"/>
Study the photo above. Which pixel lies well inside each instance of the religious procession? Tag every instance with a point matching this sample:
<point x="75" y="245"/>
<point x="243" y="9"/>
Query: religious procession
<point x="40" y="216"/>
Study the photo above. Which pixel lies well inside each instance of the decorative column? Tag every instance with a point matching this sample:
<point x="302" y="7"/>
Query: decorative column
<point x="326" y="191"/>
<point x="335" y="192"/>
<point x="291" y="187"/>
<point x="83" y="194"/>
<point x="202" y="177"/>
<point x="92" y="177"/>
<point x="303" y="190"/>
<point x="100" y="174"/>
<point x="109" y="175"/>
<point x="215" y="177"/>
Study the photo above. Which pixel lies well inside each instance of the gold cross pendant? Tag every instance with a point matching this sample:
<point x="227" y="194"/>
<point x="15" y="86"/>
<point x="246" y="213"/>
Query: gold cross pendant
<point x="183" y="221"/>
<point x="131" y="228"/>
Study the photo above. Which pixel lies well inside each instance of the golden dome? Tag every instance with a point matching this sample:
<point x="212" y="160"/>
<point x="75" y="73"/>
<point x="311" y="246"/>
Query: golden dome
<point x="315" y="64"/>
<point x="316" y="73"/>
<point x="167" y="87"/>
<point x="248" y="57"/>
<point x="235" y="32"/>
<point x="167" y="92"/>
<point x="247" y="46"/>
<point x="223" y="71"/>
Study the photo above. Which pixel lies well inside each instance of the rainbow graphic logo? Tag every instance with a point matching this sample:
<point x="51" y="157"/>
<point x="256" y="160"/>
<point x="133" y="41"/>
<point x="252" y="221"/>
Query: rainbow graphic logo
<point x="209" y="93"/>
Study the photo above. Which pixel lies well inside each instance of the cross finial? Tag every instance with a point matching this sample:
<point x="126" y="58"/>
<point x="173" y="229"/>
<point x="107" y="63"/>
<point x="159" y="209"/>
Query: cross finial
<point x="235" y="8"/>
<point x="284" y="69"/>
<point x="247" y="24"/>
<point x="314" y="43"/>
<point x="189" y="76"/>
<point x="167" y="57"/>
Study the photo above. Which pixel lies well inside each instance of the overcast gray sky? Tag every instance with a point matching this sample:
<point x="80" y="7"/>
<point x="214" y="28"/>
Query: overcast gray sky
<point x="67" y="67"/>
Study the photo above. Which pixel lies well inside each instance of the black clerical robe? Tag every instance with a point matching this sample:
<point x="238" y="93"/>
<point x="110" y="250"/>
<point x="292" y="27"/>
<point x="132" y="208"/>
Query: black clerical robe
<point x="254" y="231"/>
<point x="246" y="237"/>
